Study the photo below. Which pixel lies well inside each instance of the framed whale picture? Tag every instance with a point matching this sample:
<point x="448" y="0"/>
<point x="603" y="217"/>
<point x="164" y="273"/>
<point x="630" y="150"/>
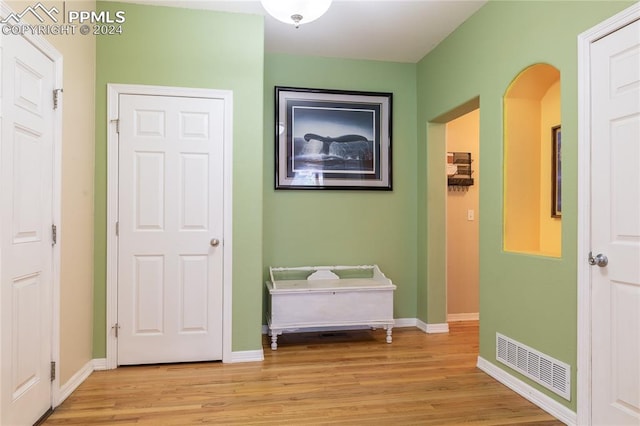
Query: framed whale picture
<point x="332" y="139"/>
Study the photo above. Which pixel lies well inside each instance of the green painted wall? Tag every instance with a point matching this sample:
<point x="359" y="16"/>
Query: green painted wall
<point x="193" y="48"/>
<point x="304" y="227"/>
<point x="529" y="298"/>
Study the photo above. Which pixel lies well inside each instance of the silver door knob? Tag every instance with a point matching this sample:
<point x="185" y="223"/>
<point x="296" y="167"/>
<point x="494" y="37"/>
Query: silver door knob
<point x="214" y="242"/>
<point x="600" y="260"/>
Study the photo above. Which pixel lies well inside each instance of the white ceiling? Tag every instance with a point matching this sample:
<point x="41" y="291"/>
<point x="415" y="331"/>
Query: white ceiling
<point x="398" y="30"/>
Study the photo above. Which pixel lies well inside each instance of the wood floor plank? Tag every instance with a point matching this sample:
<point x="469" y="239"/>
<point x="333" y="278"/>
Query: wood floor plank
<point x="338" y="378"/>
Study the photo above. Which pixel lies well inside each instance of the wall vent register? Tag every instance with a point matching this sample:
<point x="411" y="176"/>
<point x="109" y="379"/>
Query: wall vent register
<point x="549" y="372"/>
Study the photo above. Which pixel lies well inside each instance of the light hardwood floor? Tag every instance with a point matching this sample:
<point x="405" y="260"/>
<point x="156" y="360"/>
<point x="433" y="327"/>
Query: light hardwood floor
<point x="345" y="378"/>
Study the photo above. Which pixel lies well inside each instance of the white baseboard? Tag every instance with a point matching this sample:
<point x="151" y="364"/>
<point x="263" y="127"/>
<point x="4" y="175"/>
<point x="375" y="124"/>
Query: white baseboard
<point x="437" y="328"/>
<point x="405" y="322"/>
<point x="238" y="356"/>
<point x="432" y="328"/>
<point x="398" y="322"/>
<point x="471" y="316"/>
<point x="99" y="364"/>
<point x="247" y="356"/>
<point x="543" y="401"/>
<point x="265" y="329"/>
<point x="73" y="383"/>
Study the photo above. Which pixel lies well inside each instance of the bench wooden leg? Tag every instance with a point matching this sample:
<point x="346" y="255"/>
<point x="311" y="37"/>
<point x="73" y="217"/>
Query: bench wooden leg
<point x="274" y="340"/>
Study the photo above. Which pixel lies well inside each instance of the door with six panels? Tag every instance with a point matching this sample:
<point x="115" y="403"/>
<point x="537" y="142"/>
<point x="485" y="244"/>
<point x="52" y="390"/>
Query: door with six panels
<point x="170" y="222"/>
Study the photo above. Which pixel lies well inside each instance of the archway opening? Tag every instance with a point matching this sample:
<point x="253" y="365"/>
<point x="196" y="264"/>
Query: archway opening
<point x="532" y="166"/>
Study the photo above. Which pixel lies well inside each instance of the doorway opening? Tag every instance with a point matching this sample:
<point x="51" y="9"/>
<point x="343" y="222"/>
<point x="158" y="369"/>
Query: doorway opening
<point x="462" y="205"/>
<point x="437" y="190"/>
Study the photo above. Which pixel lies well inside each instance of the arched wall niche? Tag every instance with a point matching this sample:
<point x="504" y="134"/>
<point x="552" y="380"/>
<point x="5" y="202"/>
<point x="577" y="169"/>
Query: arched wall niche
<point x="531" y="112"/>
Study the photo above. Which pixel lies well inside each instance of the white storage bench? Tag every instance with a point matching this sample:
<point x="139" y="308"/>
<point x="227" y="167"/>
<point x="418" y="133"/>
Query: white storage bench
<point x="328" y="296"/>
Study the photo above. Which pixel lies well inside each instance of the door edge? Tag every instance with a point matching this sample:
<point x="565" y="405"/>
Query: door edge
<point x="47" y="49"/>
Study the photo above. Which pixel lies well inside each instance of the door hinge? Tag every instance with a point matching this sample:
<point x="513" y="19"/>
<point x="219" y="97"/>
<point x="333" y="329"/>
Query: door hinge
<point x="115" y="328"/>
<point x="54" y="235"/>
<point x="117" y="122"/>
<point x="117" y="229"/>
<point x="56" y="98"/>
<point x="53" y="370"/>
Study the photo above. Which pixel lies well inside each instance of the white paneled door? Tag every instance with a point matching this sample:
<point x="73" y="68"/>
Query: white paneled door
<point x="170" y="214"/>
<point x="615" y="227"/>
<point x="26" y="218"/>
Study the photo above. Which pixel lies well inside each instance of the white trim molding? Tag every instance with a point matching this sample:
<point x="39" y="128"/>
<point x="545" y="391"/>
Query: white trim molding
<point x="583" y="388"/>
<point x="99" y="364"/>
<point x="247" y="356"/>
<point x="113" y="93"/>
<point x="75" y="381"/>
<point x="528" y="392"/>
<point x="433" y="328"/>
<point x="405" y="322"/>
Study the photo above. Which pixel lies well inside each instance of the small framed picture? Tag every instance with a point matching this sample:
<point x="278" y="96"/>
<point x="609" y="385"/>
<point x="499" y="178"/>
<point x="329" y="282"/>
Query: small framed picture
<point x="332" y="139"/>
<point x="556" y="172"/>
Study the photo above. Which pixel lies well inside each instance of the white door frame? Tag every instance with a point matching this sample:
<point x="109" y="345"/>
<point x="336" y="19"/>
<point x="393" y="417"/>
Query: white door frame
<point x="113" y="93"/>
<point x="50" y="52"/>
<point x="585" y="40"/>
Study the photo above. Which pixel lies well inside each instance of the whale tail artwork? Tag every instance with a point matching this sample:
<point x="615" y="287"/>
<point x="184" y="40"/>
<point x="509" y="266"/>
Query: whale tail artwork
<point x="328" y="140"/>
<point x="344" y="138"/>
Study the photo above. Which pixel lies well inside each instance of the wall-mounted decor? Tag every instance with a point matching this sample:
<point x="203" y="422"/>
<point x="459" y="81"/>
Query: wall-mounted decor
<point x="556" y="172"/>
<point x="332" y="139"/>
<point x="459" y="172"/>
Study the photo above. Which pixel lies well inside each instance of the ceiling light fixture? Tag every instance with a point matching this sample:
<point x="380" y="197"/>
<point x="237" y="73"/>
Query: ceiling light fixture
<point x="296" y="12"/>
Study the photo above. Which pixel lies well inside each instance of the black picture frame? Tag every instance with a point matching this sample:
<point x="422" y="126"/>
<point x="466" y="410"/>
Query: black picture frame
<point x="332" y="139"/>
<point x="556" y="171"/>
